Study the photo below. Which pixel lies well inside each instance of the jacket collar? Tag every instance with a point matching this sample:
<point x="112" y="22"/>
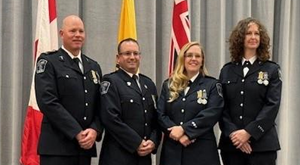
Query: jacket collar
<point x="68" y="62"/>
<point x="238" y="68"/>
<point x="131" y="84"/>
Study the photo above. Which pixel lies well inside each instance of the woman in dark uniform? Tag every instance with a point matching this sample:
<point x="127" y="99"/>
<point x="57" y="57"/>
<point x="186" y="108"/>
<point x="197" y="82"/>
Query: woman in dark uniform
<point x="189" y="106"/>
<point x="252" y="93"/>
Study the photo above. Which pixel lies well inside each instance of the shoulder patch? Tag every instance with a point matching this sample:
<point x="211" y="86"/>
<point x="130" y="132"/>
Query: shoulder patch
<point x="104" y="87"/>
<point x="41" y="66"/>
<point x="219" y="89"/>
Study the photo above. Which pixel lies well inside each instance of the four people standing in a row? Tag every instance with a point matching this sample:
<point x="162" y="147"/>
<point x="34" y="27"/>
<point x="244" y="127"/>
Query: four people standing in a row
<point x="190" y="104"/>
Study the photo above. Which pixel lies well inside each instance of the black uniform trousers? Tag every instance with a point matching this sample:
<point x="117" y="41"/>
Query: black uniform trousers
<point x="65" y="160"/>
<point x="255" y="158"/>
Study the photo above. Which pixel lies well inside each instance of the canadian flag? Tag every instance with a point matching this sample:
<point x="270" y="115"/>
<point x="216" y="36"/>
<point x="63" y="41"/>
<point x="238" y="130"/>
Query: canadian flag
<point x="180" y="33"/>
<point x="46" y="39"/>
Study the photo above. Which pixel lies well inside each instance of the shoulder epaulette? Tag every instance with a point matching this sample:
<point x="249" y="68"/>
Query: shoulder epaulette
<point x="144" y="76"/>
<point x="51" y="51"/>
<point x="88" y="58"/>
<point x="111" y="73"/>
<point x="272" y="62"/>
<point x="229" y="63"/>
<point x="210" y="77"/>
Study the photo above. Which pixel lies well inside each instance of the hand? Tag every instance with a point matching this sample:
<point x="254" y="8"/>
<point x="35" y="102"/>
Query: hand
<point x="246" y="148"/>
<point x="185" y="141"/>
<point x="239" y="137"/>
<point x="88" y="138"/>
<point x="176" y="132"/>
<point x="145" y="148"/>
<point x="79" y="136"/>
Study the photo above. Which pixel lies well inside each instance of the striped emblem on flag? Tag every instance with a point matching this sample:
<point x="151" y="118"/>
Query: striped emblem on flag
<point x="180" y="33"/>
<point x="46" y="39"/>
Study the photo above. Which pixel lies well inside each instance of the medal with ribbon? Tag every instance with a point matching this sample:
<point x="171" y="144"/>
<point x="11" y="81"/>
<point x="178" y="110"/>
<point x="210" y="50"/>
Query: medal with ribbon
<point x="266" y="79"/>
<point x="96" y="77"/>
<point x="263" y="78"/>
<point x="202" y="97"/>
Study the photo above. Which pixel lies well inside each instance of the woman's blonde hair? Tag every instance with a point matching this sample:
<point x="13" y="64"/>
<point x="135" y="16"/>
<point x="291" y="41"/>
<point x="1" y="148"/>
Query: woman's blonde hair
<point x="179" y="80"/>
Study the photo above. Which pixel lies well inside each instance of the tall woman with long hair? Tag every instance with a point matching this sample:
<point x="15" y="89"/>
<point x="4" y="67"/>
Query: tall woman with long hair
<point x="252" y="92"/>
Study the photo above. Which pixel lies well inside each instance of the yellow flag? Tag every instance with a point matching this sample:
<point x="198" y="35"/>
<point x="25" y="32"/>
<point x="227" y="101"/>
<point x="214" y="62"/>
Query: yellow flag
<point x="127" y="27"/>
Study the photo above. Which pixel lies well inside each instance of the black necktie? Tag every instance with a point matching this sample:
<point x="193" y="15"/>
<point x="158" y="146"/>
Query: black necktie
<point x="189" y="83"/>
<point x="247" y="64"/>
<point x="246" y="67"/>
<point x="136" y="80"/>
<point x="77" y="61"/>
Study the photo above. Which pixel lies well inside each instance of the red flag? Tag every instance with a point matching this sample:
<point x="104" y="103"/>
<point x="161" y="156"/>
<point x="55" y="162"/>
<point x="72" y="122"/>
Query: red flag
<point x="46" y="40"/>
<point x="180" y="33"/>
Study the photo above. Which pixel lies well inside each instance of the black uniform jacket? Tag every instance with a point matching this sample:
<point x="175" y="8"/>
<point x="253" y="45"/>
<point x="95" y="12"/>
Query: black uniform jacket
<point x="129" y="116"/>
<point x="69" y="101"/>
<point x="197" y="119"/>
<point x="251" y="103"/>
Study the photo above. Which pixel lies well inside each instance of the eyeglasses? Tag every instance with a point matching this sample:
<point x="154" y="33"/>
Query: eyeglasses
<point x="135" y="53"/>
<point x="191" y="55"/>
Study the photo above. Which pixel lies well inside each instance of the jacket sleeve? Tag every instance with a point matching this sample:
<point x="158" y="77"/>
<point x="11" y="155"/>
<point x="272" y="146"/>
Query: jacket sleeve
<point x="48" y="100"/>
<point x="225" y="122"/>
<point x="111" y="112"/>
<point x="208" y="117"/>
<point x="163" y="119"/>
<point x="96" y="124"/>
<point x="265" y="120"/>
<point x="155" y="136"/>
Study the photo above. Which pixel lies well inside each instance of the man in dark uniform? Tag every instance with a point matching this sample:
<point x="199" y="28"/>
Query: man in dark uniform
<point x="129" y="113"/>
<point x="68" y="96"/>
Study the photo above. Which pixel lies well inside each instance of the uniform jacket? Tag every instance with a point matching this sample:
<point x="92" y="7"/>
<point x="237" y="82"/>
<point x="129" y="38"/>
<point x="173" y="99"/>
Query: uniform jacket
<point x="197" y="120"/>
<point x="250" y="104"/>
<point x="129" y="116"/>
<point x="69" y="101"/>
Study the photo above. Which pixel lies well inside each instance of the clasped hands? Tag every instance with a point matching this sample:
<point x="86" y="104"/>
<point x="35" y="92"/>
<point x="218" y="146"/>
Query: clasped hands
<point x="86" y="138"/>
<point x="146" y="147"/>
<point x="240" y="139"/>
<point x="177" y="134"/>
